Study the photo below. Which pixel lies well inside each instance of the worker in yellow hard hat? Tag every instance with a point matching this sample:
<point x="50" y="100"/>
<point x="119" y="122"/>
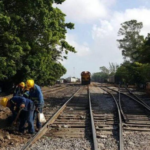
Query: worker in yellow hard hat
<point x="4" y="101"/>
<point x="26" y="110"/>
<point x="26" y="92"/>
<point x="19" y="90"/>
<point x="30" y="83"/>
<point x="35" y="94"/>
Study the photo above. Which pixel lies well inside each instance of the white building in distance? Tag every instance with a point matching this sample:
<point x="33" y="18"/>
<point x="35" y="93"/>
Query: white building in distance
<point x="72" y="79"/>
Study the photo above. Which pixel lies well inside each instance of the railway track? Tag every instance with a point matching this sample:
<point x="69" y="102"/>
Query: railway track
<point x="94" y="118"/>
<point x="140" y="108"/>
<point x="136" y="117"/>
<point x="77" y="118"/>
<point x="58" y="124"/>
<point x="73" y="120"/>
<point x="139" y="119"/>
<point x="52" y="103"/>
<point x="111" y="123"/>
<point x="55" y="89"/>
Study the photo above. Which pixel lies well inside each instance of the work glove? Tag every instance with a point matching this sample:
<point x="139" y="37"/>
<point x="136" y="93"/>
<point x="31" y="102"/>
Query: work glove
<point x="22" y="105"/>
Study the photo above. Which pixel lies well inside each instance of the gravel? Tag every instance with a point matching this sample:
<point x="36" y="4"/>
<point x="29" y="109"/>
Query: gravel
<point x="132" y="140"/>
<point x="137" y="141"/>
<point x="47" y="143"/>
<point x="62" y="144"/>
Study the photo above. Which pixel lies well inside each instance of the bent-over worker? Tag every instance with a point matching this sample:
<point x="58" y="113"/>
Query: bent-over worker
<point x="27" y="106"/>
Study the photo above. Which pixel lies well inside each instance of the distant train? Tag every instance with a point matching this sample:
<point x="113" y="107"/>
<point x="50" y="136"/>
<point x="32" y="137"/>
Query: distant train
<point x="85" y="77"/>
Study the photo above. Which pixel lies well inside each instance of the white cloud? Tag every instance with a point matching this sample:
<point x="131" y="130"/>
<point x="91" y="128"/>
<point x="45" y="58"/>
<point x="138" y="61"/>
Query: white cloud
<point x="108" y="4"/>
<point x="82" y="49"/>
<point x="139" y="14"/>
<point x="104" y="48"/>
<point x="85" y="11"/>
<point x="105" y="33"/>
<point x="111" y="26"/>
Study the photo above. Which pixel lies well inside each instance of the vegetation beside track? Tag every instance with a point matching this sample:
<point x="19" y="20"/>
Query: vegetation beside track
<point x="135" y="51"/>
<point x="32" y="41"/>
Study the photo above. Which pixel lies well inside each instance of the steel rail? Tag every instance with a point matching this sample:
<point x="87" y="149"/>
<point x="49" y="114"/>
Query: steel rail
<point x="92" y="123"/>
<point x="137" y="98"/>
<point x="124" y="116"/>
<point x="148" y="108"/>
<point x="121" y="146"/>
<point x="46" y="125"/>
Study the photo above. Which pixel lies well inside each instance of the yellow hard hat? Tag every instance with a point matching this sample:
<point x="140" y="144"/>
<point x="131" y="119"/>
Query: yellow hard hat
<point x="4" y="101"/>
<point x="30" y="84"/>
<point x="22" y="84"/>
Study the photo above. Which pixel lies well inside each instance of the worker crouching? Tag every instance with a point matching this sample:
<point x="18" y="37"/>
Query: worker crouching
<point x="25" y="107"/>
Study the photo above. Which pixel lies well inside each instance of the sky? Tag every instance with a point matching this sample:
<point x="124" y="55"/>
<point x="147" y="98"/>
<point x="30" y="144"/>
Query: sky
<point x="97" y="23"/>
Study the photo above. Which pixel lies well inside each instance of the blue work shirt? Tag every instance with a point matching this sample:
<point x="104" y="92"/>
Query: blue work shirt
<point x="35" y="94"/>
<point x="26" y="94"/>
<point x="18" y="91"/>
<point x="16" y="101"/>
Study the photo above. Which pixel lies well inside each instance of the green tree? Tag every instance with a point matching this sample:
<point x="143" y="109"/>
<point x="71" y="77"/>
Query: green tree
<point x="104" y="70"/>
<point x="100" y="77"/>
<point x="32" y="40"/>
<point x="123" y="74"/>
<point x="112" y="68"/>
<point x="133" y="72"/>
<point x="144" y="51"/>
<point x="131" y="39"/>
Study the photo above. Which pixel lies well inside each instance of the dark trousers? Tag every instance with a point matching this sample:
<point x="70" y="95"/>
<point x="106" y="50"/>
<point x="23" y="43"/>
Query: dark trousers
<point x="27" y="116"/>
<point x="38" y="123"/>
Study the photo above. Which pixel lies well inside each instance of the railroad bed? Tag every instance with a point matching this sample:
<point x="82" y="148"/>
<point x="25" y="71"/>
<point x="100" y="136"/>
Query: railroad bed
<point x="54" y="98"/>
<point x="135" y="114"/>
<point x="72" y="128"/>
<point x="74" y="125"/>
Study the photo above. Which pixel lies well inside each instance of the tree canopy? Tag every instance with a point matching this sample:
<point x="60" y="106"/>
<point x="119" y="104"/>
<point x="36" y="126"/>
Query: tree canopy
<point x="144" y="51"/>
<point x="100" y="77"/>
<point x="104" y="73"/>
<point x="32" y="40"/>
<point x="136" y="53"/>
<point x="137" y="48"/>
<point x="131" y="39"/>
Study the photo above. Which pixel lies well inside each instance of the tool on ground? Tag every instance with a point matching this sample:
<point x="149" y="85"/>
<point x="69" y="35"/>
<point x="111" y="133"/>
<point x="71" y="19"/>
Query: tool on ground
<point x="14" y="122"/>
